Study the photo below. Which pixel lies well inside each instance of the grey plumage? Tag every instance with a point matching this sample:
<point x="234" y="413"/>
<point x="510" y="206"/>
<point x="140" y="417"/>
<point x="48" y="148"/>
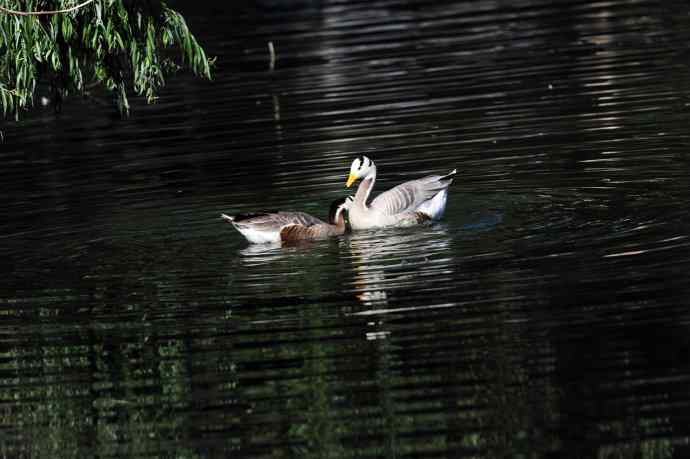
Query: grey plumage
<point x="408" y="196"/>
<point x="272" y="219"/>
<point x="403" y="205"/>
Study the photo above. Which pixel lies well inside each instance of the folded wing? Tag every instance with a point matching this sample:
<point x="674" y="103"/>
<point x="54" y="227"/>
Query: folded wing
<point x="275" y="220"/>
<point x="307" y="233"/>
<point x="409" y="196"/>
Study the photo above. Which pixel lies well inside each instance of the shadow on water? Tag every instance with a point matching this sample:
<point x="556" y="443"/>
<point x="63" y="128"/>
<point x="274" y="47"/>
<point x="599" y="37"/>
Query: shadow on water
<point x="545" y="316"/>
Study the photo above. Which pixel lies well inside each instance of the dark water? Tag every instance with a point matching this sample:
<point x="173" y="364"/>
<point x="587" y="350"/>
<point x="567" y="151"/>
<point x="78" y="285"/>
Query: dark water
<point x="546" y="316"/>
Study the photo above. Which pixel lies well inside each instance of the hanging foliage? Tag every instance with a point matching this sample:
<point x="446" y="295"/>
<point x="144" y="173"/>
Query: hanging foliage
<point x="120" y="45"/>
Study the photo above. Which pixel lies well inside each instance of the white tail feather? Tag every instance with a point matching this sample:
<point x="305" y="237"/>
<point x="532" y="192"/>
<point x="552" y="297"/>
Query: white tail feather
<point x="436" y="206"/>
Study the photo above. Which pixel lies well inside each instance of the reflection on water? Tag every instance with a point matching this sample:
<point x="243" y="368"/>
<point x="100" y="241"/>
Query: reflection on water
<point x="545" y="316"/>
<point x="390" y="262"/>
<point x="387" y="260"/>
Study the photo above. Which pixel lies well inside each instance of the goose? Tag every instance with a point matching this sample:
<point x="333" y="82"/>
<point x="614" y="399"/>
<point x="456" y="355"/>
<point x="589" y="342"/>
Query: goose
<point x="265" y="227"/>
<point x="407" y="204"/>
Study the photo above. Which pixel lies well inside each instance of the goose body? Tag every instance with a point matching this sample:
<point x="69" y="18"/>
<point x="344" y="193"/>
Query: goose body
<point x="267" y="227"/>
<point x="407" y="204"/>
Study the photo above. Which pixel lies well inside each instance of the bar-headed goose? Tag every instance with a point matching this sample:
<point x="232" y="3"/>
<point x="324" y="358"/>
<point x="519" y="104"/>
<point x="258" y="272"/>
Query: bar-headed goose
<point x="263" y="227"/>
<point x="406" y="204"/>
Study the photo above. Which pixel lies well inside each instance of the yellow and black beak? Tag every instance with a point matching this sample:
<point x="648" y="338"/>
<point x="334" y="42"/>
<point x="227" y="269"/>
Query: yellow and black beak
<point x="350" y="180"/>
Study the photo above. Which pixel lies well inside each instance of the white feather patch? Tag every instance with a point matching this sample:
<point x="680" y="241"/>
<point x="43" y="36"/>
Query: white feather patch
<point x="257" y="237"/>
<point x="436" y="206"/>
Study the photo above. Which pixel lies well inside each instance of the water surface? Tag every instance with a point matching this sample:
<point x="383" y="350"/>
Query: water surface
<point x="545" y="316"/>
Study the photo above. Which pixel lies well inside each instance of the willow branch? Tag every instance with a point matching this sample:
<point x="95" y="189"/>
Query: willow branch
<point x="39" y="13"/>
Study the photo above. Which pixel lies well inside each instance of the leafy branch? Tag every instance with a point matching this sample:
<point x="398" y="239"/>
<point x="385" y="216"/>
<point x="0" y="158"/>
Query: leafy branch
<point x="37" y="13"/>
<point x="119" y="45"/>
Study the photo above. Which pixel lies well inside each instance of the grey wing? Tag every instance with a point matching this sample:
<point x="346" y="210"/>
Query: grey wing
<point x="300" y="218"/>
<point x="274" y="221"/>
<point x="407" y="196"/>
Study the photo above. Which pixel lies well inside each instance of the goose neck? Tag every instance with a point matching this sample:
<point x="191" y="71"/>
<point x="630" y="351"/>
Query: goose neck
<point x="340" y="221"/>
<point x="365" y="188"/>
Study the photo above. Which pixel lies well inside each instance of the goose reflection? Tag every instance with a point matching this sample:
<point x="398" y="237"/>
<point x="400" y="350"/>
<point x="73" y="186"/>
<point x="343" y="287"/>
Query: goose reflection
<point x="394" y="262"/>
<point x="300" y="269"/>
<point x="259" y="254"/>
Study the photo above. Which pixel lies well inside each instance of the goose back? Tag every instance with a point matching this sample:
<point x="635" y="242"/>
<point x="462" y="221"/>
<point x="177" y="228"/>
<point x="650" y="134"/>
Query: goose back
<point x="409" y="196"/>
<point x="266" y="220"/>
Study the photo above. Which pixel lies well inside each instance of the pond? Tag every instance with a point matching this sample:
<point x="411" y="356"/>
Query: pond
<point x="546" y="315"/>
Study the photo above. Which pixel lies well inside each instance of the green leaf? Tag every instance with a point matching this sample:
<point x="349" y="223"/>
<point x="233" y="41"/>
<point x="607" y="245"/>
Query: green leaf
<point x="66" y="28"/>
<point x="55" y="60"/>
<point x="37" y="52"/>
<point x="119" y="41"/>
<point x="99" y="13"/>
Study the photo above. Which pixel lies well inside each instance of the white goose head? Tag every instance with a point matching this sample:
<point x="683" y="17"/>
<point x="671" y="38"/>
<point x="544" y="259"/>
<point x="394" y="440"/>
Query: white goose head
<point x="361" y="167"/>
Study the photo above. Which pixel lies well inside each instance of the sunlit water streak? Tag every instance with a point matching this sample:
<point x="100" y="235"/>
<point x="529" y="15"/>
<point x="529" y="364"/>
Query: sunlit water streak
<point x="546" y="315"/>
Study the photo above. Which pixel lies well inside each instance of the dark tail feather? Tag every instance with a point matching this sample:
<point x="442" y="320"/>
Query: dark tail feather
<point x="450" y="176"/>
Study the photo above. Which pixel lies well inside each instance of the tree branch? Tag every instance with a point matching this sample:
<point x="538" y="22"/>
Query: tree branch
<point x="39" y="13"/>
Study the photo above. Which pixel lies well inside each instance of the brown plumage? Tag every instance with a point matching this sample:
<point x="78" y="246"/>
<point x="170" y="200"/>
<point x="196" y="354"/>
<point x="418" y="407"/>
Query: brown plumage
<point x="422" y="217"/>
<point x="311" y="233"/>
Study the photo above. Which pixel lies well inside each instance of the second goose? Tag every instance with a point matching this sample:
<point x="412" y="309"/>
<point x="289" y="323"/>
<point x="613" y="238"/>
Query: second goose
<point x="265" y="227"/>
